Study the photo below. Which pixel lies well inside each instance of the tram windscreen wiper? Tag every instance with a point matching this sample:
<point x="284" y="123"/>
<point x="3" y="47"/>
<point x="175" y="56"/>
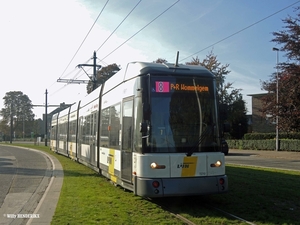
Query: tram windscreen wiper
<point x="201" y="135"/>
<point x="204" y="135"/>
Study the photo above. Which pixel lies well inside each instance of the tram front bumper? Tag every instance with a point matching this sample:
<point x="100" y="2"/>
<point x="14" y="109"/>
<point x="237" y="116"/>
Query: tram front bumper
<point x="183" y="186"/>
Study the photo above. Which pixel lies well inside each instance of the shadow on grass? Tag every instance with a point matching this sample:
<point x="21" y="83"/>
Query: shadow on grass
<point x="258" y="196"/>
<point x="72" y="173"/>
<point x="242" y="154"/>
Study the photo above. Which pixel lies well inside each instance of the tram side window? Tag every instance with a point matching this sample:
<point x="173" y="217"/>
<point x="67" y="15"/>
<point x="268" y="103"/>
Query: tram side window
<point x="86" y="128"/>
<point x="127" y="125"/>
<point x="83" y="129"/>
<point x="72" y="131"/>
<point x="115" y="124"/>
<point x="110" y="127"/>
<point x="104" y="128"/>
<point x="63" y="132"/>
<point x="94" y="120"/>
<point x="80" y="130"/>
<point x="53" y="132"/>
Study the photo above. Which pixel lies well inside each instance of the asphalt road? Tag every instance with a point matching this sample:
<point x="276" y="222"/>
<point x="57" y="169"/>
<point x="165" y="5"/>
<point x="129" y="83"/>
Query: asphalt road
<point x="269" y="159"/>
<point x="25" y="179"/>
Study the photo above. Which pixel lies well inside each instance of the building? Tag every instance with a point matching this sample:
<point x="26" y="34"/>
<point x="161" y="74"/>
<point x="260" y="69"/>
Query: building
<point x="261" y="123"/>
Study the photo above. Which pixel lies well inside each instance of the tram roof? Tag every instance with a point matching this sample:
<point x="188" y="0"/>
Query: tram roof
<point x="138" y="68"/>
<point x="145" y="67"/>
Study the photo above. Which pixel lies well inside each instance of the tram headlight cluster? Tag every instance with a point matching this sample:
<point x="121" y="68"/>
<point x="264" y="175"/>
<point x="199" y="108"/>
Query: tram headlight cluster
<point x="154" y="165"/>
<point x="221" y="181"/>
<point x="155" y="184"/>
<point x="216" y="164"/>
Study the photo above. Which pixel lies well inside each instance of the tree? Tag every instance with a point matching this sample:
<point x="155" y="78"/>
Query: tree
<point x="102" y="75"/>
<point x="237" y="118"/>
<point x="288" y="108"/>
<point x="229" y="96"/>
<point x="4" y="129"/>
<point x="19" y="108"/>
<point x="160" y="60"/>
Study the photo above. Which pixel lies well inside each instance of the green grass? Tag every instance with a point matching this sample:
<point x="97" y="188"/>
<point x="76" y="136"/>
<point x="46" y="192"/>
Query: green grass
<point x="87" y="198"/>
<point x="261" y="196"/>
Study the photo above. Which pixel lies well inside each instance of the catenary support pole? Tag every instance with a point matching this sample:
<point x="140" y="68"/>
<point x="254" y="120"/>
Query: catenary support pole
<point x="46" y="117"/>
<point x="277" y="102"/>
<point x="95" y="72"/>
<point x="11" y="121"/>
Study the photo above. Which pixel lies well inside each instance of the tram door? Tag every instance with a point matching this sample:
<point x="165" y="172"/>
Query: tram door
<point x="127" y="129"/>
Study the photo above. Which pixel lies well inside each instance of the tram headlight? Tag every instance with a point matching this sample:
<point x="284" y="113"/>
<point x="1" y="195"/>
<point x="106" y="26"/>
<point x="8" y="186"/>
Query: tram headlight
<point x="216" y="164"/>
<point x="154" y="165"/>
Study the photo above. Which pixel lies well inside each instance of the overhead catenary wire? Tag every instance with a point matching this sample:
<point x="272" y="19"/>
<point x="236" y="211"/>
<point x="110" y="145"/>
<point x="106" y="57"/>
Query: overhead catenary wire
<point x="251" y="25"/>
<point x="62" y="75"/>
<point x="134" y="33"/>
<point x="141" y="29"/>
<point x="75" y="76"/>
<point x="116" y="29"/>
<point x="58" y="90"/>
<point x="160" y="15"/>
<point x="85" y="38"/>
<point x="119" y="25"/>
<point x="111" y="35"/>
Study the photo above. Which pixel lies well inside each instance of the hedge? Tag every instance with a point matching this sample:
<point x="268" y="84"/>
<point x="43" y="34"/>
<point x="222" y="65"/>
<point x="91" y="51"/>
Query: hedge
<point x="284" y="144"/>
<point x="265" y="136"/>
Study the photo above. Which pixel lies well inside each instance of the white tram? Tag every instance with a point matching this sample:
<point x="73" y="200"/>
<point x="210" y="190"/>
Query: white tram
<point x="151" y="128"/>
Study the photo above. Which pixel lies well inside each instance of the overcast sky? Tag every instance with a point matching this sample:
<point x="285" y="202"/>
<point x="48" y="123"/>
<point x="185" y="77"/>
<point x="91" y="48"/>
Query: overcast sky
<point x="39" y="39"/>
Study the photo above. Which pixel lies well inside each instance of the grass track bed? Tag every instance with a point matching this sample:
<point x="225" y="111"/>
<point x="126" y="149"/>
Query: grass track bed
<point x="261" y="196"/>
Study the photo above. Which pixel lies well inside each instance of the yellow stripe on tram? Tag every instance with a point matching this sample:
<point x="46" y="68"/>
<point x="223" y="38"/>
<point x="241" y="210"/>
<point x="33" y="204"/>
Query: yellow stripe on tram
<point x="71" y="151"/>
<point x="189" y="166"/>
<point x="111" y="165"/>
<point x="111" y="161"/>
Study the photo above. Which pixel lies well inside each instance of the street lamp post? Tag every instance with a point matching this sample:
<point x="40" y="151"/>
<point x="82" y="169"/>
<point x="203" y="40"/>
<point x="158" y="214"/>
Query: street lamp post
<point x="277" y="138"/>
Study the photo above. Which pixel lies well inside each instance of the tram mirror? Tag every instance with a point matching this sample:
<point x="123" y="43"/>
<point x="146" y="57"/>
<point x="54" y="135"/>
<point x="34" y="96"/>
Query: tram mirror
<point x="146" y="111"/>
<point x="143" y="127"/>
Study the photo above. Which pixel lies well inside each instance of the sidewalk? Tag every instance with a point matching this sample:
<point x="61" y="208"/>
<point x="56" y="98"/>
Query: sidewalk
<point x="267" y="154"/>
<point x="47" y="205"/>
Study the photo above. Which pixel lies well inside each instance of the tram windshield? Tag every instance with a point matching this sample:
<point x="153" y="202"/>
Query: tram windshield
<point x="183" y="115"/>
